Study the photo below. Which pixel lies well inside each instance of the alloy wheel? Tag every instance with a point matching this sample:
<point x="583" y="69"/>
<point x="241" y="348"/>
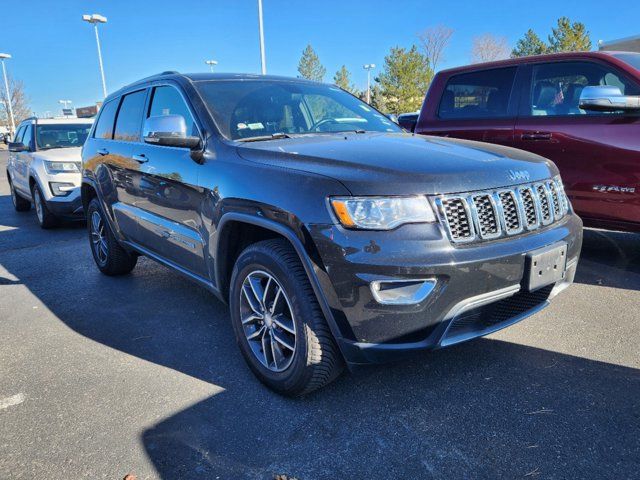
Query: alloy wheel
<point x="37" y="201"/>
<point x="267" y="320"/>
<point x="98" y="238"/>
<point x="14" y="199"/>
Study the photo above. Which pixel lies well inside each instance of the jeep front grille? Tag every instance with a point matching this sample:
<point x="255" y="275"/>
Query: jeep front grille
<point x="488" y="215"/>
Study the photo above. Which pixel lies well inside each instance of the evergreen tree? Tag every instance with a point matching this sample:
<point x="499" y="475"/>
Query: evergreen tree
<point x="530" y="44"/>
<point x="342" y="78"/>
<point x="404" y="80"/>
<point x="569" y="37"/>
<point x="309" y="66"/>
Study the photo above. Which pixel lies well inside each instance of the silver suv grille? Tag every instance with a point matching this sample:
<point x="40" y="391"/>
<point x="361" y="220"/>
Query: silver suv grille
<point x="488" y="215"/>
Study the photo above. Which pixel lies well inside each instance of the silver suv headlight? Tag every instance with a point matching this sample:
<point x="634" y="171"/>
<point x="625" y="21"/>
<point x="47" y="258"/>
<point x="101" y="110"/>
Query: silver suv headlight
<point x="381" y="213"/>
<point x="61" y="167"/>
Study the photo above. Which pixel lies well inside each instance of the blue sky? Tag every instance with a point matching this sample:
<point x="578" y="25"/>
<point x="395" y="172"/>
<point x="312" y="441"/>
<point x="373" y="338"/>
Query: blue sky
<point x="54" y="52"/>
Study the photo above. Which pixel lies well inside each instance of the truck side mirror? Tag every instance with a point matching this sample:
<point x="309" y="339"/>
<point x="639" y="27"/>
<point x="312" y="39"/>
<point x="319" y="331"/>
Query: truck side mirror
<point x="607" y="99"/>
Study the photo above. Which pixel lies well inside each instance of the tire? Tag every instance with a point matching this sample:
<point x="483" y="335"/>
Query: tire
<point x="108" y="254"/>
<point x="314" y="360"/>
<point x="46" y="219"/>
<point x="19" y="203"/>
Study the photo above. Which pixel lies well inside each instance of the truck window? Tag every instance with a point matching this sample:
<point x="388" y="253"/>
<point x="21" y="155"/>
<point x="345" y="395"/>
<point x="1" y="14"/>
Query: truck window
<point x="129" y="120"/>
<point x="168" y="101"/>
<point x="556" y="87"/>
<point x="483" y="94"/>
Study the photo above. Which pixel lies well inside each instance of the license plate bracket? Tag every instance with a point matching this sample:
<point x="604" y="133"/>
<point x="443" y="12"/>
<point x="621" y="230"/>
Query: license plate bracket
<point x="545" y="266"/>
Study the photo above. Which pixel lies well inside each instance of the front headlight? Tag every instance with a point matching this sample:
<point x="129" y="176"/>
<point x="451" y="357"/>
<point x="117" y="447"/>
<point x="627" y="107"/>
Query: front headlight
<point x="381" y="213"/>
<point x="61" y="167"/>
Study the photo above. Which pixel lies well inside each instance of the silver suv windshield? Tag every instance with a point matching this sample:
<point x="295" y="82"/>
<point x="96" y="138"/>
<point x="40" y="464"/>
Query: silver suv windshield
<point x="266" y="109"/>
<point x="61" y="135"/>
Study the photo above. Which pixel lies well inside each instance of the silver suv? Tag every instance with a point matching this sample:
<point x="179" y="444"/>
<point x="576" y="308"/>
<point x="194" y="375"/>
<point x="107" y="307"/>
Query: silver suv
<point x="44" y="167"/>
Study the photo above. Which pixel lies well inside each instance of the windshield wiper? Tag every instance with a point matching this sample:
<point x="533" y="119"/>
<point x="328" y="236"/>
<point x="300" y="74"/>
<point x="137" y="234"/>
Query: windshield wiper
<point x="262" y="138"/>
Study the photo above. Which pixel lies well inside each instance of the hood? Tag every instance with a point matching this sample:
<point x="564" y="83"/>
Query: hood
<point x="402" y="163"/>
<point x="71" y="154"/>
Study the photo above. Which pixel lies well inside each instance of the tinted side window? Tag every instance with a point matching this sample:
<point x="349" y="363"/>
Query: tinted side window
<point x="19" y="134"/>
<point x="28" y="135"/>
<point x="478" y="94"/>
<point x="168" y="101"/>
<point x="129" y="119"/>
<point x="556" y="87"/>
<point x="104" y="127"/>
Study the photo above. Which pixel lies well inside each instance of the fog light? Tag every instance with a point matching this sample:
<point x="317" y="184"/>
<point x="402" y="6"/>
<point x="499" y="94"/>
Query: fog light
<point x="402" y="292"/>
<point x="60" y="189"/>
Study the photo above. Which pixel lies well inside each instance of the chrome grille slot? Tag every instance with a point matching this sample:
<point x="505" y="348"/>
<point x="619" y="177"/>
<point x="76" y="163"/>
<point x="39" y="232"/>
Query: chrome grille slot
<point x="458" y="219"/>
<point x="488" y="215"/>
<point x="546" y="215"/>
<point x="555" y="200"/>
<point x="510" y="211"/>
<point x="529" y="208"/>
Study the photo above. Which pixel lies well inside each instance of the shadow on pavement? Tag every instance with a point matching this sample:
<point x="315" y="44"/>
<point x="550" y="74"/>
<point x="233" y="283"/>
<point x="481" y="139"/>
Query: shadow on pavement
<point x="610" y="259"/>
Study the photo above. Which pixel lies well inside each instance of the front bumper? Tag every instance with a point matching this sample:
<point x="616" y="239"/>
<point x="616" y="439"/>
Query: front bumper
<point x="69" y="205"/>
<point x="469" y="280"/>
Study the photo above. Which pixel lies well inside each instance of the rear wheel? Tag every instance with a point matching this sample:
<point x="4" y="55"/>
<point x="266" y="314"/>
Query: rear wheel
<point x="46" y="219"/>
<point x="278" y="323"/>
<point x="19" y="203"/>
<point x="108" y="254"/>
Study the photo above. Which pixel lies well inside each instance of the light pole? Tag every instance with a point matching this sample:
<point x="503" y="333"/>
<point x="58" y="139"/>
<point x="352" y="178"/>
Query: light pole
<point x="211" y="64"/>
<point x="3" y="57"/>
<point x="64" y="104"/>
<point x="368" y="67"/>
<point x="263" y="61"/>
<point x="95" y="19"/>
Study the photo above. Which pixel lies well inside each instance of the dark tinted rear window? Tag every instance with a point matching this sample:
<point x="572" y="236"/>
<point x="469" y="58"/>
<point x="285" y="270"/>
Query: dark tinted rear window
<point x="104" y="127"/>
<point x="482" y="94"/>
<point x="129" y="121"/>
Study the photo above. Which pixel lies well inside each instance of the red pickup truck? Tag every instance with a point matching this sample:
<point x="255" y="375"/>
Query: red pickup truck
<point x="581" y="110"/>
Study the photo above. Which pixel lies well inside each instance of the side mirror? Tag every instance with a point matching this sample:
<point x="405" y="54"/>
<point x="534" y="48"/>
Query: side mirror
<point x="169" y="131"/>
<point x="607" y="99"/>
<point x="17" y="147"/>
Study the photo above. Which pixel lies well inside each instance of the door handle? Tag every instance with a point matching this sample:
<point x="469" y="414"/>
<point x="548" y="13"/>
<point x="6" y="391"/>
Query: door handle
<point x="536" y="136"/>
<point x="142" y="158"/>
<point x="103" y="151"/>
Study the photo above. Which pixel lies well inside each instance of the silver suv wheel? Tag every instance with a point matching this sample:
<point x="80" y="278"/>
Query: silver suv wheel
<point x="267" y="320"/>
<point x="37" y="202"/>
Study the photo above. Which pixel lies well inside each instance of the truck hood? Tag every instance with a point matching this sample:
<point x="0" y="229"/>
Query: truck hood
<point x="71" y="154"/>
<point x="402" y="163"/>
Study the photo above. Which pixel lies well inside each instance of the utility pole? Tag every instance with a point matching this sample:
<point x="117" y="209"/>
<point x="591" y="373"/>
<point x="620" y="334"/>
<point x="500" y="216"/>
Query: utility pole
<point x="3" y="57"/>
<point x="368" y="67"/>
<point x="95" y="19"/>
<point x="263" y="61"/>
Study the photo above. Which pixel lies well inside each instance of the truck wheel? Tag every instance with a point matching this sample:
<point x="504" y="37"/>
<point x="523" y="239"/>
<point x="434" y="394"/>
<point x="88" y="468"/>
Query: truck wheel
<point x="279" y="326"/>
<point x="46" y="219"/>
<point x="109" y="256"/>
<point x="19" y="203"/>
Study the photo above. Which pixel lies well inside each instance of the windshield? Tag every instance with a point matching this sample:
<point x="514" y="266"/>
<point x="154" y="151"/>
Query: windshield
<point x="257" y="108"/>
<point x="632" y="59"/>
<point x="61" y="135"/>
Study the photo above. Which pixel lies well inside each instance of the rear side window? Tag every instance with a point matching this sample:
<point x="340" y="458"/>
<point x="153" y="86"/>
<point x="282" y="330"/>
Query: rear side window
<point x="478" y="94"/>
<point x="129" y="119"/>
<point x="168" y="101"/>
<point x="104" y="127"/>
<point x="556" y="87"/>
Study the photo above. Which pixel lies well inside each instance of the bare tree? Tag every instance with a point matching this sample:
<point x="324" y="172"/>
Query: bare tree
<point x="434" y="41"/>
<point x="19" y="102"/>
<point x="488" y="47"/>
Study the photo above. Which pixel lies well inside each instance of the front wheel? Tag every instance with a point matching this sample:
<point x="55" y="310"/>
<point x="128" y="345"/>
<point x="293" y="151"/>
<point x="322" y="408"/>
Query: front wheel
<point x="108" y="254"/>
<point x="278" y="323"/>
<point x="46" y="219"/>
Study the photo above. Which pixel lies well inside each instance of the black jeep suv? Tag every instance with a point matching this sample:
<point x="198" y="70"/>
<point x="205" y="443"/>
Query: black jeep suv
<point x="334" y="236"/>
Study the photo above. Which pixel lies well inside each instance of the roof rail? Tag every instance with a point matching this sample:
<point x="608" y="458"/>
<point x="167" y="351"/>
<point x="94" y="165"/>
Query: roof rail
<point x="169" y="72"/>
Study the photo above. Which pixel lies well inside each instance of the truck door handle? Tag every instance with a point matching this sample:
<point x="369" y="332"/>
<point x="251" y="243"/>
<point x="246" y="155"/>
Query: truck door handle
<point x="536" y="136"/>
<point x="142" y="158"/>
<point x="103" y="151"/>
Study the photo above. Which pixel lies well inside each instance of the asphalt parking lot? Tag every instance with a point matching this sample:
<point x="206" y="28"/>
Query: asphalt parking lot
<point x="101" y="377"/>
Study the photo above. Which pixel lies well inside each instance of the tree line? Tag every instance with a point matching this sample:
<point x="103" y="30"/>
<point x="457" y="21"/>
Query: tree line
<point x="407" y="72"/>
